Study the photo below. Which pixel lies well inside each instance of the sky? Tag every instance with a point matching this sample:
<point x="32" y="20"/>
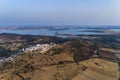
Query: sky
<point x="59" y="12"/>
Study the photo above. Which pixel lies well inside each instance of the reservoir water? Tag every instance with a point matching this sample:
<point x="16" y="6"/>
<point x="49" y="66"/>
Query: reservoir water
<point x="53" y="32"/>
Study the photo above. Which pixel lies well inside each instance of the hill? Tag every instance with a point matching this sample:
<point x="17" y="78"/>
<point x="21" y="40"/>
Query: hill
<point x="72" y="60"/>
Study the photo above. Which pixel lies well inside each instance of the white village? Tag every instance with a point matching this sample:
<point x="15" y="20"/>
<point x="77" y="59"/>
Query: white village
<point x="41" y="47"/>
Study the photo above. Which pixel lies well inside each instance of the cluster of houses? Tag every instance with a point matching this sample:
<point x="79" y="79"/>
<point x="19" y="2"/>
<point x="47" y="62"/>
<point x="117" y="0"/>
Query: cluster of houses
<point x="11" y="58"/>
<point x="41" y="47"/>
<point x="6" y="59"/>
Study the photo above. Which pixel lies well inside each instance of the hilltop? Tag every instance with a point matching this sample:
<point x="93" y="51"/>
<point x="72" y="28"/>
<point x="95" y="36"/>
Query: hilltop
<point x="13" y="43"/>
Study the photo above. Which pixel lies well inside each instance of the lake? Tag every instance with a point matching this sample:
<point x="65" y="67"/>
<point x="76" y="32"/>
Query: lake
<point x="59" y="31"/>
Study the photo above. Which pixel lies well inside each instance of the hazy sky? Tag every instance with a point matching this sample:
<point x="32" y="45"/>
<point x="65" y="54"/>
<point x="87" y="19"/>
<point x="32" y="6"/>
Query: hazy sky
<point x="60" y="12"/>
